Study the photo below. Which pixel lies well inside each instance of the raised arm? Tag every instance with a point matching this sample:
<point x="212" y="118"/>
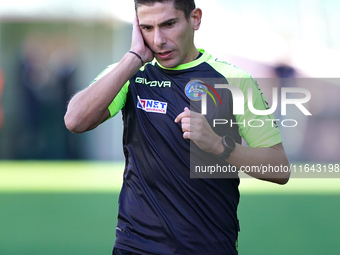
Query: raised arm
<point x="196" y="127"/>
<point x="89" y="108"/>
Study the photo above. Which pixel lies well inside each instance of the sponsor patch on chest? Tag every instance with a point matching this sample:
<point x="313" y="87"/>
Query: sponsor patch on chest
<point x="150" y="105"/>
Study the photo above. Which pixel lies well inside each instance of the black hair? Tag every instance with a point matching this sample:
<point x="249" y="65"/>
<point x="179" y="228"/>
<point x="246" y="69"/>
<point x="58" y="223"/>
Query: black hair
<point x="187" y="6"/>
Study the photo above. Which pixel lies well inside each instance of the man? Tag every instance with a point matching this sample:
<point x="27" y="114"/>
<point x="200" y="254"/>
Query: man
<point x="161" y="209"/>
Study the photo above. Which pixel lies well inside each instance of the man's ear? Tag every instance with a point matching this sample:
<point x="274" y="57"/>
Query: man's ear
<point x="195" y="17"/>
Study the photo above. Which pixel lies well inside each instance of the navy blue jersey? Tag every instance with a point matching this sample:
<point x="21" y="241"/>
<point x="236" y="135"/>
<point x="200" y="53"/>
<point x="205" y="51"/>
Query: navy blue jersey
<point x="162" y="210"/>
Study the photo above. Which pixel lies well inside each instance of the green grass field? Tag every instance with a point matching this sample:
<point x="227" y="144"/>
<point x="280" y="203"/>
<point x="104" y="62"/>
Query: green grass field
<point x="66" y="208"/>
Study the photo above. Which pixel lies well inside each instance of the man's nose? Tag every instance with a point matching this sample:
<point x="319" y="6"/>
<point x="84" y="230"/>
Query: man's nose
<point x="159" y="38"/>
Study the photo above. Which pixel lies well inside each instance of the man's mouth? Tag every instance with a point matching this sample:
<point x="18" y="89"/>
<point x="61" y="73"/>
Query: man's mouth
<point x="165" y="54"/>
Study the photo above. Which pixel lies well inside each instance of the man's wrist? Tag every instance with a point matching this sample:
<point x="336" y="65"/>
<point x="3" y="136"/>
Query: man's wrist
<point x="229" y="145"/>
<point x="218" y="148"/>
<point x="132" y="61"/>
<point x="138" y="56"/>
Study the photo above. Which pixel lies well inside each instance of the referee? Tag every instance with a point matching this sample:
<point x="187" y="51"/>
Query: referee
<point x="159" y="86"/>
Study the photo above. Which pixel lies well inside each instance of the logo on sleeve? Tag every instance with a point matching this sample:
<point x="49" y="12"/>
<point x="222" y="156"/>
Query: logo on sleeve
<point x="150" y="105"/>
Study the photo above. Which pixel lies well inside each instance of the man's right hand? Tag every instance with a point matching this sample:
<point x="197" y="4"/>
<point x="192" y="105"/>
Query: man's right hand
<point x="89" y="108"/>
<point x="138" y="45"/>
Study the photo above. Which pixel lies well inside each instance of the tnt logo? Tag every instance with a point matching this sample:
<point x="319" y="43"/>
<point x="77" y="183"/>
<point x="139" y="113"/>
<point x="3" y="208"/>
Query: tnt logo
<point x="149" y="105"/>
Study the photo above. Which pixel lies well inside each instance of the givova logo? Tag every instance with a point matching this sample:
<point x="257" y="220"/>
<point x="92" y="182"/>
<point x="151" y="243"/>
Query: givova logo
<point x="160" y="84"/>
<point x="197" y="90"/>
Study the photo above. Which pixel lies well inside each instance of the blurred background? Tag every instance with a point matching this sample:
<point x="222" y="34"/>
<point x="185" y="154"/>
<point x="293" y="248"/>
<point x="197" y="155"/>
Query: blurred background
<point x="59" y="191"/>
<point x="49" y="50"/>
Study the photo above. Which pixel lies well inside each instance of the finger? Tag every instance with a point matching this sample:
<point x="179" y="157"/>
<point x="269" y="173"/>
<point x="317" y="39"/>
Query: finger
<point x="185" y="120"/>
<point x="186" y="128"/>
<point x="186" y="135"/>
<point x="182" y="115"/>
<point x="135" y="23"/>
<point x="195" y="115"/>
<point x="137" y="42"/>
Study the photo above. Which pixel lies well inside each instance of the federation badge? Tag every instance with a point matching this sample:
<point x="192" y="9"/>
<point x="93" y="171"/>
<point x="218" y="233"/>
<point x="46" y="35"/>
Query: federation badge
<point x="195" y="89"/>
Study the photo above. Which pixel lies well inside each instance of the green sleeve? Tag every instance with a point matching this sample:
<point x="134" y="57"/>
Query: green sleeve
<point x="264" y="136"/>
<point x="119" y="101"/>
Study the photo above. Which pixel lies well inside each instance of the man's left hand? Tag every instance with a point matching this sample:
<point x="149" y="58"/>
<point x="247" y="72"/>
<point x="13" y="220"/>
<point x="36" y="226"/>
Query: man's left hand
<point x="196" y="128"/>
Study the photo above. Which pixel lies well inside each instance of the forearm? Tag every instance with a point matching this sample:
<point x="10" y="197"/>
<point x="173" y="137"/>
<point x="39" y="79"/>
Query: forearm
<point x="196" y="128"/>
<point x="88" y="108"/>
<point x="243" y="157"/>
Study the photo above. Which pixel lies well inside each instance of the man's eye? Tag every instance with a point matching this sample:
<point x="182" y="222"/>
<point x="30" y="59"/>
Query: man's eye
<point x="170" y="24"/>
<point x="146" y="28"/>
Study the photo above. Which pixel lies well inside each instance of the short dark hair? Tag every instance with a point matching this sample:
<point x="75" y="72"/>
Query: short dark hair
<point x="187" y="6"/>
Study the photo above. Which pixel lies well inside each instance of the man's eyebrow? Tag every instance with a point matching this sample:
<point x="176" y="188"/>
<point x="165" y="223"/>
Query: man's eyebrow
<point x="168" y="21"/>
<point x="161" y="24"/>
